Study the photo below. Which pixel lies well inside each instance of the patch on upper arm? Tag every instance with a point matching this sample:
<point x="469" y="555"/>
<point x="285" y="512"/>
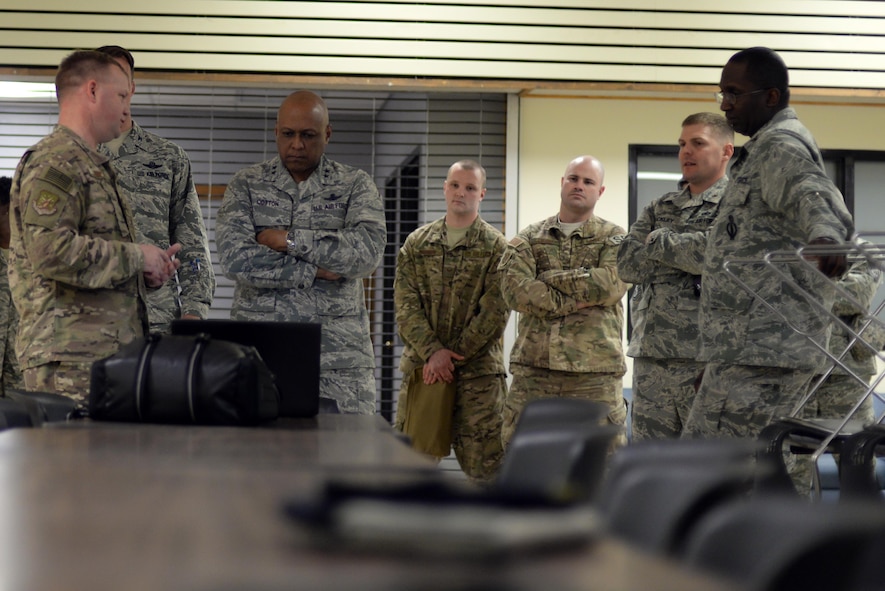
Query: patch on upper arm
<point x="46" y="203"/>
<point x="54" y="176"/>
<point x="516" y="242"/>
<point x="617" y="239"/>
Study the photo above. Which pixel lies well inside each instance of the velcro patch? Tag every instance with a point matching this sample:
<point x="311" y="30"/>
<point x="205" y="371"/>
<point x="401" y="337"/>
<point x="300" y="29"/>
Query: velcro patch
<point x="46" y="203"/>
<point x="58" y="178"/>
<point x="516" y="241"/>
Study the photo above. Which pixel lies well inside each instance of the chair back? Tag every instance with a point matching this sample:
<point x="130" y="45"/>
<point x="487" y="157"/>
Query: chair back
<point x="780" y="543"/>
<point x="564" y="464"/>
<point x="656" y="491"/>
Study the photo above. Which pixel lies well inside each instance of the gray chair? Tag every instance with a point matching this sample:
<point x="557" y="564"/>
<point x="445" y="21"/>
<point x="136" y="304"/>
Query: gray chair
<point x="858" y="477"/>
<point x="560" y="464"/>
<point x="656" y="491"/>
<point x="780" y="543"/>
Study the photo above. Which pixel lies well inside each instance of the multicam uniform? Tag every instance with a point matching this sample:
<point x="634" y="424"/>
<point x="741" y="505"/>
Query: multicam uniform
<point x="450" y="298"/>
<point x="336" y="222"/>
<point x="154" y="176"/>
<point x="779" y="198"/>
<point x="666" y="275"/>
<point x="10" y="373"/>
<point x="75" y="268"/>
<point x="562" y="350"/>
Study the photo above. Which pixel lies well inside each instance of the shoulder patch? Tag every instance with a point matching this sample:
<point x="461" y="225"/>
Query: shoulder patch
<point x="58" y="178"/>
<point x="46" y="203"/>
<point x="616" y="239"/>
<point x="516" y="241"/>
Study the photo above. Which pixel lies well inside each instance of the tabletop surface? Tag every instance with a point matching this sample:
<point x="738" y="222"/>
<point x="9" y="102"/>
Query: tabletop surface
<point x="115" y="506"/>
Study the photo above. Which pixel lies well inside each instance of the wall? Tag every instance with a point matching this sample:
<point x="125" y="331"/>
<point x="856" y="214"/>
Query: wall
<point x="554" y="130"/>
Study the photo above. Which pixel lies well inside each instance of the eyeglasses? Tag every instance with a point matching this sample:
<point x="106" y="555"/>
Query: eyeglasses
<point x="732" y="97"/>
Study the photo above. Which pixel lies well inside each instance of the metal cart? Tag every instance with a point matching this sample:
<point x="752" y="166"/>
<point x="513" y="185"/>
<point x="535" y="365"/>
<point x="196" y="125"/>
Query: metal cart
<point x="866" y="336"/>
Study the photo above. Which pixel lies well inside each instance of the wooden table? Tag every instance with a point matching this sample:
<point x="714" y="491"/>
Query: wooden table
<point x="138" y="507"/>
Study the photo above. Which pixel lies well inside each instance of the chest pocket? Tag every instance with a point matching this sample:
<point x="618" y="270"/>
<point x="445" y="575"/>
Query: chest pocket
<point x="546" y="253"/>
<point x="271" y="211"/>
<point x="328" y="210"/>
<point x="738" y="193"/>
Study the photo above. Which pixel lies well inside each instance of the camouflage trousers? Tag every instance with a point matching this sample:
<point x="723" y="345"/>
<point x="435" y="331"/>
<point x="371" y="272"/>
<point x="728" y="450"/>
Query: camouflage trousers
<point x="353" y="390"/>
<point x="740" y="400"/>
<point x="534" y="383"/>
<point x="663" y="392"/>
<point x="476" y="424"/>
<point x="11" y="373"/>
<point x="68" y="378"/>
<point x="834" y="399"/>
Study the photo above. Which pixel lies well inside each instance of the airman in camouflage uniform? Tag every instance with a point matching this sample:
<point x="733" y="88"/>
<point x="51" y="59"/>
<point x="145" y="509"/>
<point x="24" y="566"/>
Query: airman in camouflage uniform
<point x="77" y="276"/>
<point x="10" y="372"/>
<point x="663" y="256"/>
<point x="561" y="276"/>
<point x="778" y="198"/>
<point x="840" y="392"/>
<point x="451" y="316"/>
<point x="154" y="176"/>
<point x="298" y="233"/>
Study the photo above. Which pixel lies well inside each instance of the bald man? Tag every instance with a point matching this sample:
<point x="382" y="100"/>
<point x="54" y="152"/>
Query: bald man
<point x="561" y="276"/>
<point x="298" y="233"/>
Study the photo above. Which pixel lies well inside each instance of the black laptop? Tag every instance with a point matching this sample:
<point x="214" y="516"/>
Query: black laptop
<point x="291" y="351"/>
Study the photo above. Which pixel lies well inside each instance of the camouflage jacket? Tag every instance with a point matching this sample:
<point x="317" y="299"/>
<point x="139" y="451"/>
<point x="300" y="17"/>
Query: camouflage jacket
<point x="154" y="176"/>
<point x="336" y="218"/>
<point x="546" y="274"/>
<point x="664" y="304"/>
<point x="451" y="298"/>
<point x="778" y="198"/>
<point x="861" y="282"/>
<point x="75" y="269"/>
<point x="10" y="371"/>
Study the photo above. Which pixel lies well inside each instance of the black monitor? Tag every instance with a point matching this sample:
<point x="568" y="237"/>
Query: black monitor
<point x="291" y="351"/>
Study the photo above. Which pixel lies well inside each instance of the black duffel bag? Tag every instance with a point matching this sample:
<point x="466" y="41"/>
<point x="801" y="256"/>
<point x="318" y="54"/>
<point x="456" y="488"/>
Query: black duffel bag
<point x="183" y="379"/>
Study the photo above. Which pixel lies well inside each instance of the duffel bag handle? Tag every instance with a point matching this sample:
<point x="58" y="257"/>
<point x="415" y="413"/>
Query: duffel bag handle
<point x="141" y="374"/>
<point x="201" y="340"/>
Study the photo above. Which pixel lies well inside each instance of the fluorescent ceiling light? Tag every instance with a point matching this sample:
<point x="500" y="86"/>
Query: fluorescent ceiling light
<point x="27" y="90"/>
<point x="659" y="176"/>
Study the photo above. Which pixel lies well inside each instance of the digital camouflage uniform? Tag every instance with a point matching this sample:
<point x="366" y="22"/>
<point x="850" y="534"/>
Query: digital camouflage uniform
<point x="561" y="350"/>
<point x="10" y="374"/>
<point x="154" y="176"/>
<point x="840" y="392"/>
<point x="758" y="367"/>
<point x="664" y="306"/>
<point x="336" y="221"/>
<point x="75" y="268"/>
<point x="450" y="298"/>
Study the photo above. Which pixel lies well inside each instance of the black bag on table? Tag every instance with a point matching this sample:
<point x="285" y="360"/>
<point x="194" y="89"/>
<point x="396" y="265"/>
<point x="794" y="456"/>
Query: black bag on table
<point x="183" y="379"/>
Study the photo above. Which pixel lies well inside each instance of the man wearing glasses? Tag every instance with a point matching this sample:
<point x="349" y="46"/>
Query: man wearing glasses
<point x="778" y="198"/>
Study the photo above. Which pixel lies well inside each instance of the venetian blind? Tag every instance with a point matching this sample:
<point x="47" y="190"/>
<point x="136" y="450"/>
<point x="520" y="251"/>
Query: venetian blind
<point x="405" y="141"/>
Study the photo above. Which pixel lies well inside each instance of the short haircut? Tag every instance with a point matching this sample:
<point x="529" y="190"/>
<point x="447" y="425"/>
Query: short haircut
<point x="115" y="51"/>
<point x="5" y="188"/>
<point x="81" y="66"/>
<point x="765" y="69"/>
<point x="470" y="165"/>
<point x="717" y="124"/>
